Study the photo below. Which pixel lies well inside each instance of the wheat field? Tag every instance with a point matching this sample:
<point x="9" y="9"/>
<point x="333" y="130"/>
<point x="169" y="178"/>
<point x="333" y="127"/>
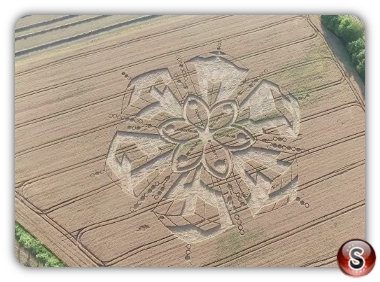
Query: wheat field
<point x="187" y="140"/>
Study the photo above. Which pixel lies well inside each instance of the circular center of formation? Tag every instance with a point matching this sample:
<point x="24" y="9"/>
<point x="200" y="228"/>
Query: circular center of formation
<point x="205" y="135"/>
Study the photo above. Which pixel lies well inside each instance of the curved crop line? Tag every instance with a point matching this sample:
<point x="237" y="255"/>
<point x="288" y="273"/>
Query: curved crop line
<point x="124" y="217"/>
<point x="358" y="97"/>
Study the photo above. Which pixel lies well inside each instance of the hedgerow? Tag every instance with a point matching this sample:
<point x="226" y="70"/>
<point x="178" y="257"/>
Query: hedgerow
<point x="352" y="32"/>
<point x="36" y="248"/>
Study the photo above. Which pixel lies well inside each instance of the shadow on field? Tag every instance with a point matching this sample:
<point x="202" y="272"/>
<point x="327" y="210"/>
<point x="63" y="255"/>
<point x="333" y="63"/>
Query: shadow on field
<point x="340" y="52"/>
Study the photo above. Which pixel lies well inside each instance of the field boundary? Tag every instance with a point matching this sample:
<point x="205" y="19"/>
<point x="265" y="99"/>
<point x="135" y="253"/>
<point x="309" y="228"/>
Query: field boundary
<point x="358" y="96"/>
<point x="351" y="32"/>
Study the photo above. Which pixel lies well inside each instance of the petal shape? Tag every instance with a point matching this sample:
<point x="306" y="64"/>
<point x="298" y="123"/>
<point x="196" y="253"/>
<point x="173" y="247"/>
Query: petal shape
<point x="217" y="160"/>
<point x="178" y="131"/>
<point x="196" y="111"/>
<point x="188" y="155"/>
<point x="222" y="115"/>
<point x="234" y="138"/>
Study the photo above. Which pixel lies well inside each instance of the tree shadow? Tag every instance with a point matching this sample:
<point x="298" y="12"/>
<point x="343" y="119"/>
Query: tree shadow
<point x="341" y="53"/>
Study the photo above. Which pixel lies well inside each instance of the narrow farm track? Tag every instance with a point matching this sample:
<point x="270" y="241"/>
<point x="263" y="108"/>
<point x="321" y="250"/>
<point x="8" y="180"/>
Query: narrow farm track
<point x="74" y="85"/>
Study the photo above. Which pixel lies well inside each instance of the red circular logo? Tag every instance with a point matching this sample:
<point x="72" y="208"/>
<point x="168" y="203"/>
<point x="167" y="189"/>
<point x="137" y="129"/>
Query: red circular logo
<point x="356" y="258"/>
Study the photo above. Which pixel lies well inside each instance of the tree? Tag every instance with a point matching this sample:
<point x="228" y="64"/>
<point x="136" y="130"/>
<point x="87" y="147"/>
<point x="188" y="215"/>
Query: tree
<point x="349" y="29"/>
<point x="356" y="46"/>
<point x="361" y="69"/>
<point x="330" y="21"/>
<point x="358" y="57"/>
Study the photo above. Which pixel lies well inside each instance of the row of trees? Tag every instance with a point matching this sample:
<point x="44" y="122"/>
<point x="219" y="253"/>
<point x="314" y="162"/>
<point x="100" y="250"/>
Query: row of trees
<point x="352" y="32"/>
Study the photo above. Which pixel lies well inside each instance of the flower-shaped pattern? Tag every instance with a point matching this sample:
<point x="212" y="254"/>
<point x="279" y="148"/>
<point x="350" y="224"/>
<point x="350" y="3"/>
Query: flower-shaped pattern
<point x="206" y="136"/>
<point x="206" y="145"/>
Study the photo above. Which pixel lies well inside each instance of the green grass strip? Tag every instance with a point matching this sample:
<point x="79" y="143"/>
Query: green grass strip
<point x="33" y="245"/>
